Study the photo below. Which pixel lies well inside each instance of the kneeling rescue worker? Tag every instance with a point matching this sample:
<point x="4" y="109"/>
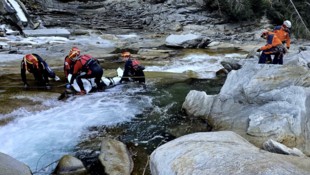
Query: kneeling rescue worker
<point x="85" y="66"/>
<point x="132" y="69"/>
<point x="34" y="64"/>
<point x="274" y="47"/>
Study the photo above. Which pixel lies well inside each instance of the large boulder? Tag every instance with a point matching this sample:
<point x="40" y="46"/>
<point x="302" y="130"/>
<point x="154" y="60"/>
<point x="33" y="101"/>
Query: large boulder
<point x="187" y="41"/>
<point x="222" y="152"/>
<point x="262" y="102"/>
<point x="69" y="165"/>
<point x="197" y="103"/>
<point x="115" y="157"/>
<point x="11" y="166"/>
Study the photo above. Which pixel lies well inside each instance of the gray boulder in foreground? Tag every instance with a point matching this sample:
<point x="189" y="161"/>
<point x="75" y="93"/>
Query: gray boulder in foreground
<point x="115" y="157"/>
<point x="197" y="103"/>
<point x="221" y="153"/>
<point x="68" y="165"/>
<point x="11" y="166"/>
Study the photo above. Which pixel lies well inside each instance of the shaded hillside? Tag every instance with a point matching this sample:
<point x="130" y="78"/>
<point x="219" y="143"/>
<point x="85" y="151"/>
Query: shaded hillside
<point x="155" y="15"/>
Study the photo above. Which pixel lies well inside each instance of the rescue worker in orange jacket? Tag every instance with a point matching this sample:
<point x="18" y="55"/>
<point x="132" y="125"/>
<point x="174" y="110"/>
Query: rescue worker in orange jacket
<point x="132" y="69"/>
<point x="34" y="64"/>
<point x="85" y="66"/>
<point x="283" y="33"/>
<point x="274" y="47"/>
<point x="68" y="64"/>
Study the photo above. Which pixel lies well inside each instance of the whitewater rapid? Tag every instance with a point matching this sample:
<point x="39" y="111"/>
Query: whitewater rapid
<point x="40" y="138"/>
<point x="200" y="66"/>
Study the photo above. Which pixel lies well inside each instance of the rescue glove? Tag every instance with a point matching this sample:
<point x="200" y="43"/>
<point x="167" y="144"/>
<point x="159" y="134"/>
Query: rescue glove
<point x="258" y="50"/>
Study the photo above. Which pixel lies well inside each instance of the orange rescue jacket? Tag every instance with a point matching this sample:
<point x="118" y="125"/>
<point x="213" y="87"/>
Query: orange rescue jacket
<point x="272" y="41"/>
<point x="283" y="34"/>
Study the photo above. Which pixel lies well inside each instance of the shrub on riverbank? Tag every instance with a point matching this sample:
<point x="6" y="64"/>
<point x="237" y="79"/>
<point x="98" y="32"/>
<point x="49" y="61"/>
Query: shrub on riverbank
<point x="277" y="11"/>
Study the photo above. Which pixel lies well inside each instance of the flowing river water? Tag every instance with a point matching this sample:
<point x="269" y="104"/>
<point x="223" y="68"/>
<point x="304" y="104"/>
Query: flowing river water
<point x="141" y="117"/>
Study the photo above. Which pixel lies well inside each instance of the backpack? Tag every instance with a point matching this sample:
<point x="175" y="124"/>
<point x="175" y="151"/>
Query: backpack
<point x="136" y="65"/>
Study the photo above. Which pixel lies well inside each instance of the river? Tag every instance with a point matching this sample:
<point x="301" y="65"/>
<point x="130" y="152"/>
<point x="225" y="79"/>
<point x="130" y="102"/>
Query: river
<point x="40" y="137"/>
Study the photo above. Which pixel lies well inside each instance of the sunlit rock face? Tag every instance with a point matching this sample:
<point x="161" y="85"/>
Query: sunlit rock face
<point x="221" y="153"/>
<point x="9" y="165"/>
<point x="267" y="101"/>
<point x="114" y="15"/>
<point x="264" y="102"/>
<point x="115" y="157"/>
<point x="70" y="165"/>
<point x="197" y="104"/>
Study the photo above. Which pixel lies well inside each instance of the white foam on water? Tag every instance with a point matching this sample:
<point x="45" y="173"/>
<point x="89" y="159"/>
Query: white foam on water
<point x="197" y="65"/>
<point x="132" y="35"/>
<point x="40" y="138"/>
<point x="9" y="57"/>
<point x="93" y="40"/>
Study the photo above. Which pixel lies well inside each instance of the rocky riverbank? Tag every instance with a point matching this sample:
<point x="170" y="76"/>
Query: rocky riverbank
<point x="265" y="104"/>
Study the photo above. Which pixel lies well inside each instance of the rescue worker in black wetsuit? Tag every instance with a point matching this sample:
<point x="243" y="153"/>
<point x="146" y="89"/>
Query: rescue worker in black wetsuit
<point x="85" y="66"/>
<point x="34" y="64"/>
<point x="132" y="69"/>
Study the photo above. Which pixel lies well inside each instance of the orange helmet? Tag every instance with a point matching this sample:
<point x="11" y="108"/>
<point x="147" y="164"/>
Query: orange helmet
<point x="126" y="54"/>
<point x="31" y="59"/>
<point x="74" y="52"/>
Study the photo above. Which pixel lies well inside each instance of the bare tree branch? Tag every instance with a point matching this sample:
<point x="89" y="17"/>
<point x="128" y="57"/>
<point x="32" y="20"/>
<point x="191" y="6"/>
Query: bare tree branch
<point x="300" y="16"/>
<point x="218" y="4"/>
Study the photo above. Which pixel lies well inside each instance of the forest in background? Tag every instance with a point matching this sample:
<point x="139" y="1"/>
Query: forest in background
<point x="297" y="11"/>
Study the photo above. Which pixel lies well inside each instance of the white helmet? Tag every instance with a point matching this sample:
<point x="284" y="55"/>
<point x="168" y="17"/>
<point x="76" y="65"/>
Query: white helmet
<point x="287" y="23"/>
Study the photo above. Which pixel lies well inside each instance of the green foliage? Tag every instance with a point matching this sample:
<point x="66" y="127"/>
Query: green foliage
<point x="238" y="10"/>
<point x="284" y="9"/>
<point x="299" y="16"/>
<point x="275" y="10"/>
